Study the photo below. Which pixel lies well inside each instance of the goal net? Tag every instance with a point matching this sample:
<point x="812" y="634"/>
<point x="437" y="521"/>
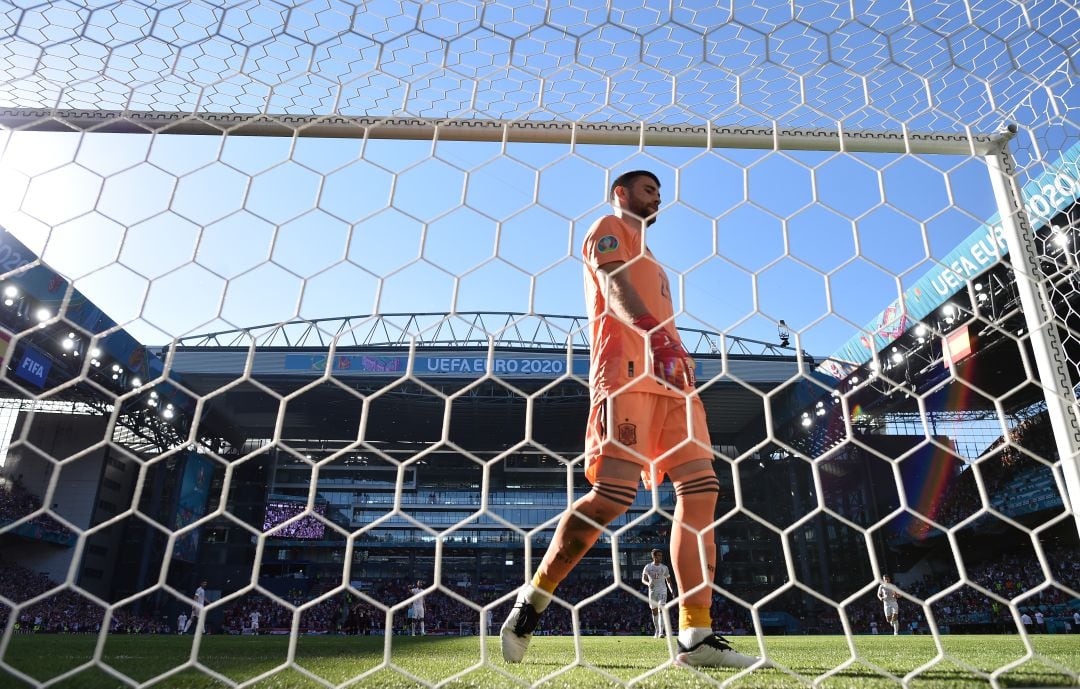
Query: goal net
<point x="295" y="366"/>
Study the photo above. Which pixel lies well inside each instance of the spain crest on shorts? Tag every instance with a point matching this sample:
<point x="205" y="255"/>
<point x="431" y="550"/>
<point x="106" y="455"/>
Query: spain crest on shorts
<point x="627" y="434"/>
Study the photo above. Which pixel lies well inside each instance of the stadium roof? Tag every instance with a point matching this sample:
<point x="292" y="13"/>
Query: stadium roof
<point x="980" y="251"/>
<point x="542" y="357"/>
<point x="999" y="372"/>
<point x="65" y="348"/>
<point x="503" y="329"/>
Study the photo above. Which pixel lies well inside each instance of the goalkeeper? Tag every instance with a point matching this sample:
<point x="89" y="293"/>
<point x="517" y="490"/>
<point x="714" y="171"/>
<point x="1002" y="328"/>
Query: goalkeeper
<point x="646" y="417"/>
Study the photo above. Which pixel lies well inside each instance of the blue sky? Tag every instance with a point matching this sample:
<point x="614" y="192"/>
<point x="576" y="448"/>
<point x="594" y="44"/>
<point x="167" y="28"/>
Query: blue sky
<point x="175" y="235"/>
<point x="320" y="231"/>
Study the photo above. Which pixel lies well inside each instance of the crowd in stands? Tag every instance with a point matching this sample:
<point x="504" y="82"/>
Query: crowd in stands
<point x="1016" y="483"/>
<point x="326" y="616"/>
<point x="1007" y="576"/>
<point x="618" y="612"/>
<point x="347" y="613"/>
<point x="1034" y="435"/>
<point x="16" y="502"/>
<point x="62" y="611"/>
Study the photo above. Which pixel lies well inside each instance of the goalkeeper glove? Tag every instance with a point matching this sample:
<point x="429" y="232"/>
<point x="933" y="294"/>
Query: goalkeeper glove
<point x="670" y="361"/>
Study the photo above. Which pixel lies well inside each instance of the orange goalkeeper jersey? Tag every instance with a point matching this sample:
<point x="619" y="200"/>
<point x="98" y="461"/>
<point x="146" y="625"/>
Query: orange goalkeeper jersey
<point x="618" y="348"/>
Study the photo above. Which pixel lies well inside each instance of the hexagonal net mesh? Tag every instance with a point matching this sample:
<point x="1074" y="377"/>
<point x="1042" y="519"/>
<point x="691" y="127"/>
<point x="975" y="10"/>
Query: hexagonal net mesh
<point x="285" y="384"/>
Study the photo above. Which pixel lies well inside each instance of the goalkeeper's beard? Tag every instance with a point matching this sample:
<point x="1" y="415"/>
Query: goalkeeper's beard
<point x="643" y="213"/>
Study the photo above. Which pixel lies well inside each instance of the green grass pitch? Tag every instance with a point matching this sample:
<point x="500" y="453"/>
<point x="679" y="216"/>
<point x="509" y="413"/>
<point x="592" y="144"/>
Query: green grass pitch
<point x="644" y="662"/>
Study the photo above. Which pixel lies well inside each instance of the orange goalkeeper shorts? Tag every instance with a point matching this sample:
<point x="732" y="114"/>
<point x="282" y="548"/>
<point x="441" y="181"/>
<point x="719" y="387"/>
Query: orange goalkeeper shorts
<point x="652" y="430"/>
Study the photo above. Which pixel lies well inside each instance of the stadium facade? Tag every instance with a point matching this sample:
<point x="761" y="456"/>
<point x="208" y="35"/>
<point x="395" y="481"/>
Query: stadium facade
<point x="367" y="448"/>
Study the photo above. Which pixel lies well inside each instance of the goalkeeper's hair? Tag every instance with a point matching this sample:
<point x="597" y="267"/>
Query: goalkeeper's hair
<point x="627" y="178"/>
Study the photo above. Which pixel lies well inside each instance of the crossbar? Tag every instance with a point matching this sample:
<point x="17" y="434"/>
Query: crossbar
<point x="525" y="131"/>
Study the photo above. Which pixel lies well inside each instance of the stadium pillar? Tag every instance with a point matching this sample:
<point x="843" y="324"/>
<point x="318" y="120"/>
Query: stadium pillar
<point x="1042" y="326"/>
<point x="146" y="556"/>
<point x="884" y="555"/>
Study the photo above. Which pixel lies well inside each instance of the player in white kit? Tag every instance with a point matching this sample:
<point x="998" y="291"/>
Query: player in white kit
<point x="657" y="577"/>
<point x="886" y="593"/>
<point x="416" y="610"/>
<point x="197" y="608"/>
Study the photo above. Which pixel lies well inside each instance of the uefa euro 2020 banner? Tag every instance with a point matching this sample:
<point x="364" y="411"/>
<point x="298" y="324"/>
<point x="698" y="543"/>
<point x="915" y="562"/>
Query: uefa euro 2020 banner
<point x="1044" y="197"/>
